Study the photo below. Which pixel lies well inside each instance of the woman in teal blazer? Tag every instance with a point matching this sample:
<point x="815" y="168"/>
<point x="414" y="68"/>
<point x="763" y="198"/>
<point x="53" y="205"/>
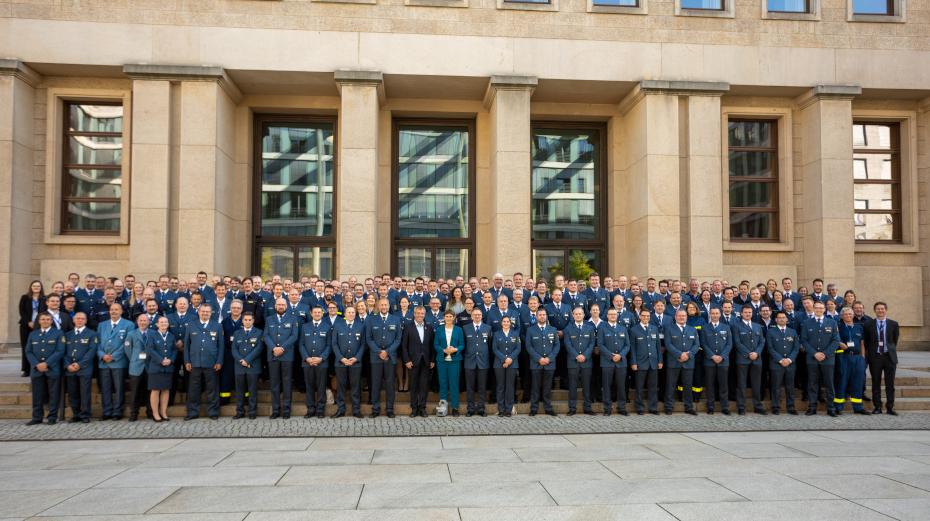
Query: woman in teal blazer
<point x="449" y="342"/>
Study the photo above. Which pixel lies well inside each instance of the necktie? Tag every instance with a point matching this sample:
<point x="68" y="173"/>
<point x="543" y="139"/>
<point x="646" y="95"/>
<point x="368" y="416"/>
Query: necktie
<point x="881" y="337"/>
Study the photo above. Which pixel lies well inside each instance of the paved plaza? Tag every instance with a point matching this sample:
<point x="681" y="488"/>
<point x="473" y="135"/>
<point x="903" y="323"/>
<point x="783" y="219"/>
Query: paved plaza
<point x="846" y="475"/>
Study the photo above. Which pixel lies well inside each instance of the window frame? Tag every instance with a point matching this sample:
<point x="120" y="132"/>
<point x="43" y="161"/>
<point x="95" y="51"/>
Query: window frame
<point x="810" y="14"/>
<point x="896" y="13"/>
<point x="600" y="242"/>
<point x="436" y="243"/>
<point x="727" y="9"/>
<point x="896" y="181"/>
<point x="64" y="166"/>
<point x="775" y="181"/>
<point x="260" y="123"/>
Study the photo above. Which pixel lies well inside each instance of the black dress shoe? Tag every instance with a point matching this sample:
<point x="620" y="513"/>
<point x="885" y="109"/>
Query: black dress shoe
<point x="286" y="416"/>
<point x="551" y="413"/>
<point x="810" y="412"/>
<point x="414" y="414"/>
<point x="215" y="417"/>
<point x="469" y="414"/>
<point x="455" y="412"/>
<point x="831" y="413"/>
<point x="668" y="412"/>
<point x="606" y="412"/>
<point x="876" y="411"/>
<point x="251" y="417"/>
<point x="655" y="412"/>
<point x="793" y="412"/>
<point x="423" y="413"/>
<point x="133" y="418"/>
<point x="726" y="412"/>
<point x="741" y="412"/>
<point x="482" y="413"/>
<point x="308" y="415"/>
<point x="374" y="415"/>
<point x="25" y="374"/>
<point x="117" y="418"/>
<point x="320" y="414"/>
<point x="87" y="420"/>
<point x="357" y="415"/>
<point x="52" y="421"/>
<point x="34" y="422"/>
<point x="761" y="412"/>
<point x="274" y="416"/>
<point x="589" y="412"/>
<point x="623" y="413"/>
<point x="189" y="418"/>
<point x="774" y="412"/>
<point x="339" y="414"/>
<point x="838" y="412"/>
<point x="238" y="416"/>
<point x="692" y="412"/>
<point x="390" y="414"/>
<point x="892" y="412"/>
<point x="640" y="412"/>
<point x="74" y="419"/>
<point x="710" y="412"/>
<point x="571" y="412"/>
<point x="861" y="411"/>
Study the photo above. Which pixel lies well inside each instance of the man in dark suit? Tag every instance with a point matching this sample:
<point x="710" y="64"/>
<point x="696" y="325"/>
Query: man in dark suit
<point x="881" y="342"/>
<point x="416" y="348"/>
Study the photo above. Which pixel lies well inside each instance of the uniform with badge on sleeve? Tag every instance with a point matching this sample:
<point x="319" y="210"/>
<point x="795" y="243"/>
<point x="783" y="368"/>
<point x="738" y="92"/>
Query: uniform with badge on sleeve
<point x="579" y="341"/>
<point x="782" y="345"/>
<point x="166" y="300"/>
<point x="281" y="331"/>
<point x="382" y="335"/>
<point x="717" y="340"/>
<point x="138" y="360"/>
<point x="748" y="339"/>
<point x="506" y="345"/>
<point x="680" y="340"/>
<point x="177" y="325"/>
<point x="646" y="355"/>
<point x="314" y="343"/>
<point x="542" y="342"/>
<point x="477" y="363"/>
<point x="850" y="367"/>
<point x="203" y="351"/>
<point x="348" y="342"/>
<point x="614" y="339"/>
<point x="45" y="348"/>
<point x="160" y="347"/>
<point x="112" y="339"/>
<point x="247" y="347"/>
<point x="820" y="335"/>
<point x="80" y="348"/>
<point x="228" y="372"/>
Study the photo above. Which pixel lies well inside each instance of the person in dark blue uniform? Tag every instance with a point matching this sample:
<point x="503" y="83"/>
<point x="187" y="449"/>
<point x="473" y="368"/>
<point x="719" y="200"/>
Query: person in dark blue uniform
<point x="231" y="323"/>
<point x="542" y="344"/>
<point x="281" y="333"/>
<point x="579" y="337"/>
<point x="783" y="346"/>
<point x="681" y="348"/>
<point x="45" y="349"/>
<point x="162" y="357"/>
<point x="850" y="364"/>
<point x="749" y="343"/>
<point x="113" y="361"/>
<point x="203" y="359"/>
<point x="315" y="348"/>
<point x="477" y="357"/>
<point x="383" y="334"/>
<point x="506" y="347"/>
<point x="80" y="350"/>
<point x="247" y="348"/>
<point x="348" y="341"/>
<point x="820" y="338"/>
<point x="717" y="342"/>
<point x="646" y="361"/>
<point x="613" y="340"/>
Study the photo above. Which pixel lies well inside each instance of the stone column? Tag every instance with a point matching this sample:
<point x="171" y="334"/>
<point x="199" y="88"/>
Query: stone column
<point x="357" y="173"/>
<point x="17" y="147"/>
<point x="650" y="175"/>
<point x="207" y="216"/>
<point x="701" y="197"/>
<point x="508" y="101"/>
<point x="151" y="248"/>
<point x="828" y="239"/>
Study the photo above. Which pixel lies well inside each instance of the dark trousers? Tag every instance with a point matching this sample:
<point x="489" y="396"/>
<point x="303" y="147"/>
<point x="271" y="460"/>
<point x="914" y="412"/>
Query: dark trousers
<point x="783" y="377"/>
<point x="647" y="380"/>
<point x="179" y="379"/>
<point x="525" y="380"/>
<point x="449" y="373"/>
<point x="382" y="375"/>
<point x="350" y="384"/>
<point x="541" y="389"/>
<point x="573" y="375"/>
<point x="79" y="395"/>
<point x="45" y="387"/>
<point x="881" y="365"/>
<point x="505" y="383"/>
<point x="671" y="382"/>
<point x="715" y="377"/>
<point x="212" y="387"/>
<point x="23" y="338"/>
<point x="819" y="375"/>
<point x="315" y="382"/>
<point x="111" y="391"/>
<point x="476" y="389"/>
<point x="280" y="373"/>
<point x="138" y="393"/>
<point x="596" y="385"/>
<point x="612" y="377"/>
<point x="754" y="372"/>
<point x="418" y="380"/>
<point x="247" y="383"/>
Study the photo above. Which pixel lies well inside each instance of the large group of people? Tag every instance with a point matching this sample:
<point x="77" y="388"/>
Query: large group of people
<point x="666" y="340"/>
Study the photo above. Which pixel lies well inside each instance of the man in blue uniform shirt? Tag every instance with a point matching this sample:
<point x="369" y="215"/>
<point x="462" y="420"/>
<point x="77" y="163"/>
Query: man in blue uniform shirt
<point x="820" y="338"/>
<point x="749" y="342"/>
<point x="542" y="343"/>
<point x="613" y="340"/>
<point x="646" y="361"/>
<point x="382" y="333"/>
<point x="113" y="362"/>
<point x="247" y="347"/>
<point x="717" y="342"/>
<point x="203" y="359"/>
<point x="579" y="337"/>
<point x="477" y="362"/>
<point x="314" y="354"/>
<point x="281" y="332"/>
<point x="850" y="363"/>
<point x="681" y="348"/>
<point x="44" y="351"/>
<point x="348" y="342"/>
<point x="783" y="346"/>
<point x="80" y="350"/>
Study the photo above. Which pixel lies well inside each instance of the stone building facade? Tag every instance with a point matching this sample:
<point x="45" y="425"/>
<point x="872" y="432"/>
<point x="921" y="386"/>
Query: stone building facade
<point x="728" y="142"/>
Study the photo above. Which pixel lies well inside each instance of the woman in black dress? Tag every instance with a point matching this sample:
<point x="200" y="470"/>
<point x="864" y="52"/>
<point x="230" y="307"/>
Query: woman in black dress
<point x="30" y="305"/>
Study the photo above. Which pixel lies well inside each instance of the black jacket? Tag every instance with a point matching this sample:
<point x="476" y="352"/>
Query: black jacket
<point x="412" y="350"/>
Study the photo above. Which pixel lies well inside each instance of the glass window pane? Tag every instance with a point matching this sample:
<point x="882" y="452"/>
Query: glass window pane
<point x="95" y="118"/>
<point x="874" y="226"/>
<point x="755" y="164"/>
<point x="548" y="263"/>
<point x="748" y="195"/>
<point x="277" y="260"/>
<point x="872" y="166"/>
<point x="95" y="150"/>
<point x="702" y="4"/>
<point x="872" y="7"/>
<point x="528" y="1"/>
<point x="748" y="225"/>
<point x="92" y="217"/>
<point x="297" y="180"/>
<point x="875" y="196"/>
<point x="315" y="260"/>
<point x="87" y="182"/>
<point x="788" y="6"/>
<point x="432" y="187"/>
<point x="751" y="133"/>
<point x="582" y="263"/>
<point x="563" y="183"/>
<point x="451" y="262"/>
<point x="872" y="136"/>
<point x="624" y="3"/>
<point x="414" y="262"/>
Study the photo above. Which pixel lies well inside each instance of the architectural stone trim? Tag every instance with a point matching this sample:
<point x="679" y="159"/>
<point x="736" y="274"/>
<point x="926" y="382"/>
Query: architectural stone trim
<point x="899" y="16"/>
<point x="671" y="87"/>
<point x="361" y="77"/>
<point x="812" y="15"/>
<point x="819" y="92"/>
<point x="508" y="82"/>
<point x="19" y="70"/>
<point x="146" y="71"/>
<point x="728" y="11"/>
<point x="517" y="5"/>
<point x="436" y="3"/>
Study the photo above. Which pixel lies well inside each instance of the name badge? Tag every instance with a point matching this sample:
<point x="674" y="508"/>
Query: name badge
<point x="253" y="340"/>
<point x="850" y="344"/>
<point x="653" y="335"/>
<point x="661" y="336"/>
<point x="392" y="328"/>
<point x="213" y="334"/>
<point x="789" y="338"/>
<point x="84" y="340"/>
<point x="322" y="333"/>
<point x="142" y="356"/>
<point x="828" y="329"/>
<point x="287" y="324"/>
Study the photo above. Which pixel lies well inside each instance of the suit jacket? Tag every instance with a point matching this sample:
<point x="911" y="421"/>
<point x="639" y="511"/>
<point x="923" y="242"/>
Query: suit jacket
<point x="440" y="343"/>
<point x="81" y="349"/>
<point x="112" y="342"/>
<point x="412" y="349"/>
<point x="892" y="333"/>
<point x="66" y="323"/>
<point x="48" y="347"/>
<point x="25" y="308"/>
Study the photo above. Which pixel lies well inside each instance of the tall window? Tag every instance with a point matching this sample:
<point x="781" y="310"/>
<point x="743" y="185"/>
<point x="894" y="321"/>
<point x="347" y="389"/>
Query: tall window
<point x="788" y="6"/>
<point x="873" y="7"/>
<point x="877" y="181"/>
<point x="92" y="168"/>
<point x="567" y="200"/>
<point x="753" y="165"/>
<point x="294" y="189"/>
<point x="434" y="176"/>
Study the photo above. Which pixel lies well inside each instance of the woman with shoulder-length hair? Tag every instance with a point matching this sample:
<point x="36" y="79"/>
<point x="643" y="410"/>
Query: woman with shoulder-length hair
<point x="506" y="347"/>
<point x="30" y="305"/>
<point x="449" y="342"/>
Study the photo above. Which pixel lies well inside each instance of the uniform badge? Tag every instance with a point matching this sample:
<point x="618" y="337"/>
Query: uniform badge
<point x="789" y="338"/>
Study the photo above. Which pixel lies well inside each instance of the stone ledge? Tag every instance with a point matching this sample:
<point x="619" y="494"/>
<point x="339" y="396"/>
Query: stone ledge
<point x="146" y="71"/>
<point x="508" y="82"/>
<point x="836" y="92"/>
<point x="18" y="69"/>
<point x="672" y="87"/>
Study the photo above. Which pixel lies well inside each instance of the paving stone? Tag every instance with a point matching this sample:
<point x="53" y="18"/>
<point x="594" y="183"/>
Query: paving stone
<point x="380" y="442"/>
<point x="297" y="457"/>
<point x="600" y="513"/>
<point x="772" y="488"/>
<point x="914" y="509"/>
<point x="864" y="486"/>
<point x="484" y="472"/>
<point x="54" y="479"/>
<point x="191" y="477"/>
<point x="730" y="466"/>
<point x="487" y="494"/>
<point x="620" y="492"/>
<point x="413" y="456"/>
<point x="213" y="516"/>
<point x="25" y="503"/>
<point x="430" y="473"/>
<point x="921" y="480"/>
<point x="108" y="459"/>
<point x="773" y="511"/>
<point x="505" y="442"/>
<point x="885" y="448"/>
<point x="249" y="444"/>
<point x="604" y="453"/>
<point x="112" y="501"/>
<point x="250" y="498"/>
<point x="843" y="465"/>
<point x="762" y="450"/>
<point x="400" y="514"/>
